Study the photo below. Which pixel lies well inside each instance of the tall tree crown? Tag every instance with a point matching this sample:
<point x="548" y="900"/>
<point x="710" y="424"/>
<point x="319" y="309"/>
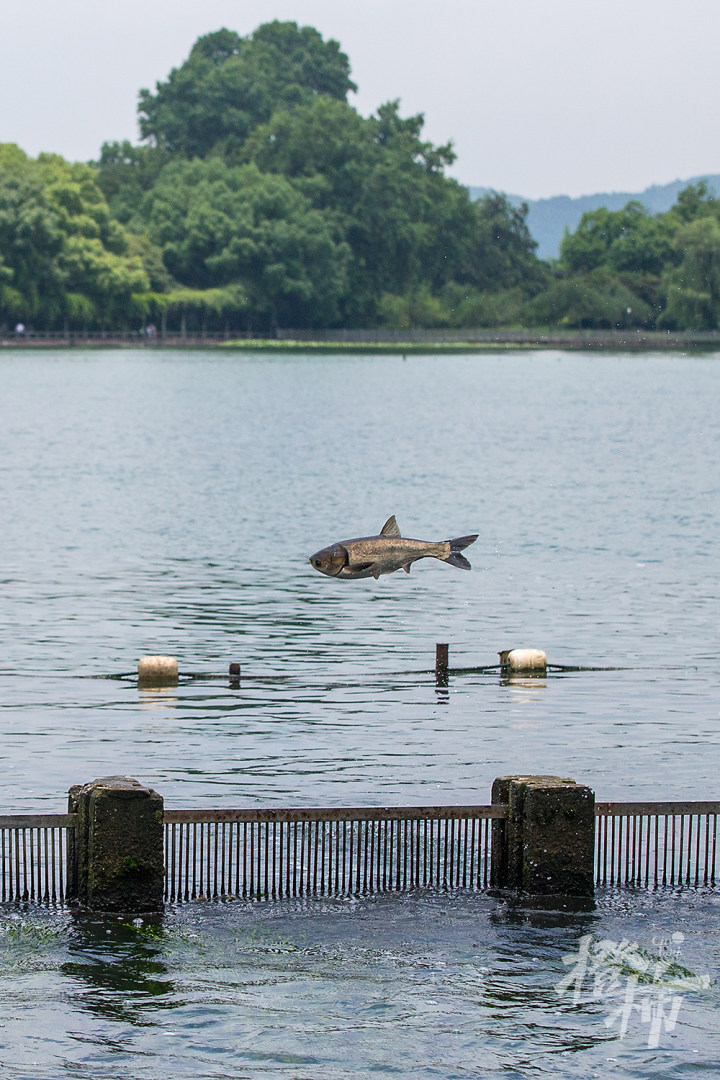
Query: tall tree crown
<point x="229" y="84"/>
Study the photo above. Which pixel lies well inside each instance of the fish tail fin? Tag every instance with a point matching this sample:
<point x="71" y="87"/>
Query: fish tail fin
<point x="456" y="546"/>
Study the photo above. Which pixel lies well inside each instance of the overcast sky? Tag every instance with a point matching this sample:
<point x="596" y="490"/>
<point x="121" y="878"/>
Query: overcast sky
<point x="540" y="97"/>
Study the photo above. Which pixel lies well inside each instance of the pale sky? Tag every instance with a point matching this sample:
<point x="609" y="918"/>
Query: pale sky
<point x="540" y="97"/>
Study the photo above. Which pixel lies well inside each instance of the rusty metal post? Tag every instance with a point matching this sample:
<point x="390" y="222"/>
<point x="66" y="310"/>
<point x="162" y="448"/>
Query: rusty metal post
<point x="442" y="653"/>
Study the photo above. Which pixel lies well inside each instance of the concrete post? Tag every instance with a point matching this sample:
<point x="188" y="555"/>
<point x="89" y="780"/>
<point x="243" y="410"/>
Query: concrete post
<point x="547" y="844"/>
<point x="117" y="853"/>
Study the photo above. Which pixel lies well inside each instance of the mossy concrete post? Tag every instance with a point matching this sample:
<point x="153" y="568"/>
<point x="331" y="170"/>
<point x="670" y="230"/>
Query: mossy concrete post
<point x="117" y="853"/>
<point x="546" y="845"/>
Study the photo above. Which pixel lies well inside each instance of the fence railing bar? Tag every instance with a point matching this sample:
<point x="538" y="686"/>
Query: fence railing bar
<point x="216" y="839"/>
<point x="605" y="853"/>
<point x="187" y="859"/>
<point x="58" y="886"/>
<point x="672" y="849"/>
<point x="48" y="847"/>
<point x="355" y="813"/>
<point x="19" y="834"/>
<point x="38" y="821"/>
<point x="713" y="862"/>
<point x="449" y="853"/>
<point x="625" y="809"/>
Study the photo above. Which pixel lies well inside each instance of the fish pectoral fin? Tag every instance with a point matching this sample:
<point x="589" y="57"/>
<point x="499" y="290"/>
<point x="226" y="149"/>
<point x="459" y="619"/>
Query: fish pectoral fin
<point x="390" y="528"/>
<point x="406" y="567"/>
<point x="360" y="566"/>
<point x="376" y="573"/>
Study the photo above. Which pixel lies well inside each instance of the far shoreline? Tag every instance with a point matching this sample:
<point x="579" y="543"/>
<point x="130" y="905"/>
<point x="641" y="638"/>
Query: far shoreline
<point x="391" y="342"/>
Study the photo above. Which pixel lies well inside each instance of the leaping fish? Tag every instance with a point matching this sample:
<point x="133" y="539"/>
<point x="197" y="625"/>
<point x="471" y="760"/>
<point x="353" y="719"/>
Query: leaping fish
<point x="371" y="556"/>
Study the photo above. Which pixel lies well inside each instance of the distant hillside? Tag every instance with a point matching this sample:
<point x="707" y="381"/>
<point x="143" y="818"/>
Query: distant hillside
<point x="548" y="218"/>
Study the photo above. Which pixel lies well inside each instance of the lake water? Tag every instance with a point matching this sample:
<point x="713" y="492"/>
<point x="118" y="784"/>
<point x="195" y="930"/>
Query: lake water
<point x="167" y="502"/>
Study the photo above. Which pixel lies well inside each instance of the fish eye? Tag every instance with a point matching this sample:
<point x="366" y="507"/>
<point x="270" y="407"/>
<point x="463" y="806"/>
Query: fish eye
<point x="317" y="562"/>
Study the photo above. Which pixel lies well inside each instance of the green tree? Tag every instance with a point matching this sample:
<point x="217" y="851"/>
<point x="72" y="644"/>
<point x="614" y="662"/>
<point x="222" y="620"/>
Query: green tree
<point x="230" y="84"/>
<point x="409" y="226"/>
<point x="67" y="256"/>
<point x="667" y="261"/>
<point x="502" y="255"/>
<point x="634" y="245"/>
<point x="124" y="174"/>
<point x="693" y="202"/>
<point x="693" y="288"/>
<point x="646" y="248"/>
<point x="220" y="225"/>
<point x="597" y="300"/>
<point x="324" y="146"/>
<point x="589" y="247"/>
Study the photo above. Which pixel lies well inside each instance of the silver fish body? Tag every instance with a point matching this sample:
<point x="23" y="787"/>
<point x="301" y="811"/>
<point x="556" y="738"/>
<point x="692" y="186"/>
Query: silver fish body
<point x="371" y="556"/>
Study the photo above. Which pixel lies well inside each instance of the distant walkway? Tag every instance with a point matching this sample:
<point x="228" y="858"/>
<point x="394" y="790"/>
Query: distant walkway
<point x="392" y="340"/>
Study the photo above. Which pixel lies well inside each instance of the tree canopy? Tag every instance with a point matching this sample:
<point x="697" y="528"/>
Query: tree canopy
<point x="229" y="84"/>
<point x="630" y="268"/>
<point x="62" y="255"/>
<point x="221" y="225"/>
<point x="257" y="175"/>
<point x="260" y="197"/>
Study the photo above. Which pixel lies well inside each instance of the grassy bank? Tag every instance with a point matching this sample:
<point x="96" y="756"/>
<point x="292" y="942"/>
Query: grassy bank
<point x="397" y="347"/>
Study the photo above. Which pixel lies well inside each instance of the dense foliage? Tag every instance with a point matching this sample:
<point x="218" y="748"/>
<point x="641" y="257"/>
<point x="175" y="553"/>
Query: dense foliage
<point x="62" y="256"/>
<point x="629" y="268"/>
<point x="259" y="197"/>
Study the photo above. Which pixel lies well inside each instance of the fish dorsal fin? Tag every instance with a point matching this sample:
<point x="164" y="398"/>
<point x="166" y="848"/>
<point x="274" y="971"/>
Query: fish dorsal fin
<point x="390" y="528"/>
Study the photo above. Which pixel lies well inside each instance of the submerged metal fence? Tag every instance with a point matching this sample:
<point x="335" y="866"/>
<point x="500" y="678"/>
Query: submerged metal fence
<point x="287" y="853"/>
<point x="277" y="853"/>
<point x="33" y="857"/>
<point x="655" y="844"/>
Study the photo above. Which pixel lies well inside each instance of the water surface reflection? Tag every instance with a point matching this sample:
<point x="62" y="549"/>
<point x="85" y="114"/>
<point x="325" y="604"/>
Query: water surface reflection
<point x="130" y="529"/>
<point x="420" y="985"/>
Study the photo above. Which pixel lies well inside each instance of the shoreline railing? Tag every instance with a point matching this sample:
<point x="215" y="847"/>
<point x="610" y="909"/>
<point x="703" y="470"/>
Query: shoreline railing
<point x="303" y="852"/>
<point x="545" y="337"/>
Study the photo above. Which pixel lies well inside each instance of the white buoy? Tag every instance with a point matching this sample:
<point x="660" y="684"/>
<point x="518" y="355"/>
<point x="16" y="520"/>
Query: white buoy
<point x="523" y="660"/>
<point x="158" y="671"/>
